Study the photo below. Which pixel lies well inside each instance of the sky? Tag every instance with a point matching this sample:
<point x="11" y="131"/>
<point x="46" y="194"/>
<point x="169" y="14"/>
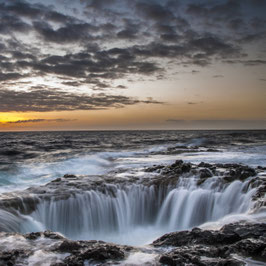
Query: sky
<point x="132" y="64"/>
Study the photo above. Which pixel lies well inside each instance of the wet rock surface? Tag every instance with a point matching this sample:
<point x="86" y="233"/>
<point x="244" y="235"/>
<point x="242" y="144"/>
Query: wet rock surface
<point x="208" y="247"/>
<point x="57" y="250"/>
<point x="230" y="245"/>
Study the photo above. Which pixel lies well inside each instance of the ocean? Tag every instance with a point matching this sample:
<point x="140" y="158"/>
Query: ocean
<point x="35" y="158"/>
<point x="108" y="192"/>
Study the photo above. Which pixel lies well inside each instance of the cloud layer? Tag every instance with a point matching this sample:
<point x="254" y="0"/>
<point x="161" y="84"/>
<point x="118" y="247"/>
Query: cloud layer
<point x="57" y="100"/>
<point x="93" y="44"/>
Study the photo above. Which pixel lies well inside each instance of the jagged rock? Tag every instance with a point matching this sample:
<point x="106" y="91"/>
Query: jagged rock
<point x="196" y="236"/>
<point x="102" y="253"/>
<point x="251" y="247"/>
<point x="68" y="252"/>
<point x="239" y="172"/>
<point x="52" y="235"/>
<point x="69" y="176"/>
<point x="56" y="180"/>
<point x="154" y="168"/>
<point x="69" y="246"/>
<point x="33" y="236"/>
<point x="206" y="247"/>
<point x="206" y="165"/>
<point x="9" y="258"/>
<point x="205" y="173"/>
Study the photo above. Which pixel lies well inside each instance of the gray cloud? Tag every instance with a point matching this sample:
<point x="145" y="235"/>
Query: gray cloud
<point x="58" y="120"/>
<point x="154" y="11"/>
<point x="144" y="36"/>
<point x="55" y="100"/>
<point x="70" y="33"/>
<point x="214" y="10"/>
<point x="255" y="62"/>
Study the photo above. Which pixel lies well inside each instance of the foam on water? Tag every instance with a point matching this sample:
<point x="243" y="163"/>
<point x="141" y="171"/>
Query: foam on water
<point x="39" y="254"/>
<point x="129" y="214"/>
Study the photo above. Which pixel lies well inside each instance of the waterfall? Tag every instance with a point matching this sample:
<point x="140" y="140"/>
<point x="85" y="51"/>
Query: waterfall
<point x="16" y="222"/>
<point x="187" y="206"/>
<point x="124" y="214"/>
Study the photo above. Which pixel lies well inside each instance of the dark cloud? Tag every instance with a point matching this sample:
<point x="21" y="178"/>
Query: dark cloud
<point x="236" y="24"/>
<point x="24" y="9"/>
<point x="97" y="4"/>
<point x="58" y="120"/>
<point x="10" y="24"/>
<point x="70" y="33"/>
<point x="88" y="68"/>
<point x="10" y="76"/>
<point x="255" y="62"/>
<point x="92" y="64"/>
<point x="126" y="34"/>
<point x="214" y="10"/>
<point x="27" y="10"/>
<point x="154" y="11"/>
<point x="56" y="100"/>
<point x="113" y="39"/>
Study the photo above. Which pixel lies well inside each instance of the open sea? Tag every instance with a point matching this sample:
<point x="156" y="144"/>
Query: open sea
<point x="34" y="158"/>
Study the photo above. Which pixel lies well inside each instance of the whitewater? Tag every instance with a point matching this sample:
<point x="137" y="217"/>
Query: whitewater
<point x="126" y="211"/>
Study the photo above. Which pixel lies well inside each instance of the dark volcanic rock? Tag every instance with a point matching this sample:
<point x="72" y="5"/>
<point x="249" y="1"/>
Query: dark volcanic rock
<point x="33" y="236"/>
<point x="205" y="247"/>
<point x="92" y="251"/>
<point x="155" y="168"/>
<point x="52" y="235"/>
<point x="69" y="176"/>
<point x="205" y="173"/>
<point x="177" y="168"/>
<point x="10" y="258"/>
<point x="239" y="172"/>
<point x="62" y="250"/>
<point x="206" y="165"/>
<point x="69" y="246"/>
<point x="197" y="236"/>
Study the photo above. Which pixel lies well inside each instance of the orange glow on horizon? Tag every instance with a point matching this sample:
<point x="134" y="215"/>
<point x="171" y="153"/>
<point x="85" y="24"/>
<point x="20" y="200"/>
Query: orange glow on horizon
<point x="11" y="117"/>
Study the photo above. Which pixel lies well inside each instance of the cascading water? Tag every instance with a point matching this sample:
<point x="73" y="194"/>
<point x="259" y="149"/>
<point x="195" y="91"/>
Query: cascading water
<point x="137" y="214"/>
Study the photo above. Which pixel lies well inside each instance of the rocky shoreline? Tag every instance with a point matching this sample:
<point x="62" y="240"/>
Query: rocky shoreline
<point x="234" y="244"/>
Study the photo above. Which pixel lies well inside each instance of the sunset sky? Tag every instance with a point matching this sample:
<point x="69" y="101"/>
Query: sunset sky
<point x="132" y="64"/>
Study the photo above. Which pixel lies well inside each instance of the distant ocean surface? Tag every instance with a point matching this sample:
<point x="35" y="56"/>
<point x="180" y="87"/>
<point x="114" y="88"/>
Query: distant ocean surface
<point x="34" y="158"/>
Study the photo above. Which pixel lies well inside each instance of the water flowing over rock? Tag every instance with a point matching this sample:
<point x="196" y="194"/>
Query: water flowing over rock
<point x="136" y="211"/>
